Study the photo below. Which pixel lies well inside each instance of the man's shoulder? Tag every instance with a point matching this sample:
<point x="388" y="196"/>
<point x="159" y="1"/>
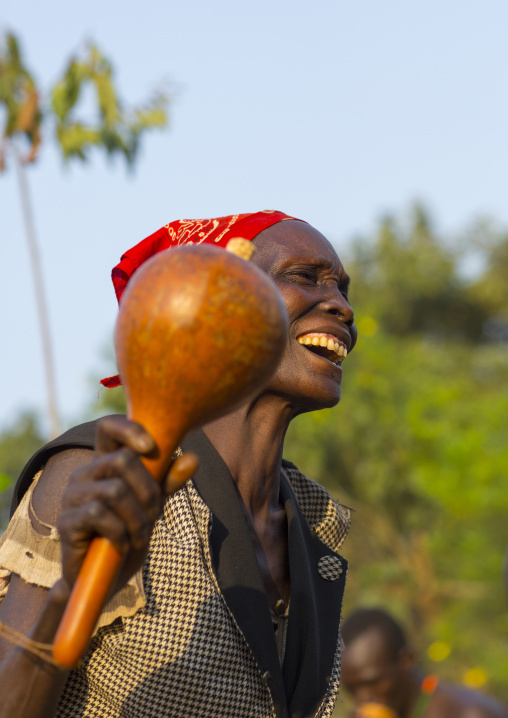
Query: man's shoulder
<point x="328" y="518"/>
<point x="453" y="701"/>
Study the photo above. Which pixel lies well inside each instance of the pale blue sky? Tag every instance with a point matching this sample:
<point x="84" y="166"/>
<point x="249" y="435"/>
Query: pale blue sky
<point x="334" y="111"/>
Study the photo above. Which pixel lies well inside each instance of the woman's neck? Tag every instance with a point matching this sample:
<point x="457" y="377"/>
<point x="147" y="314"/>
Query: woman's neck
<point x="250" y="441"/>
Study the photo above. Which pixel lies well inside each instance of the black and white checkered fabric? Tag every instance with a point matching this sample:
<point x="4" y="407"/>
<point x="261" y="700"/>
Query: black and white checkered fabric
<point x="330" y="568"/>
<point x="183" y="654"/>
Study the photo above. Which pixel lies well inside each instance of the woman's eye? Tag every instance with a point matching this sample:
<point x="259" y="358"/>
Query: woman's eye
<point x="305" y="274"/>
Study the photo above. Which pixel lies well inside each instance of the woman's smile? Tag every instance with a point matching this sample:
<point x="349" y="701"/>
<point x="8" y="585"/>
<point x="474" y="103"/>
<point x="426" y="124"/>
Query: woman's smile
<point x="324" y="345"/>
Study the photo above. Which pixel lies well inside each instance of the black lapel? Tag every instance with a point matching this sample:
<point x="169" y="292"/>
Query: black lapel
<point x="235" y="563"/>
<point x="314" y="613"/>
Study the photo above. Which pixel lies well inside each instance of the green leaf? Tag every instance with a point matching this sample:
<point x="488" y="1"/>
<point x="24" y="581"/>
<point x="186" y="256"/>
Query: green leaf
<point x="5" y="482"/>
<point x="118" y="131"/>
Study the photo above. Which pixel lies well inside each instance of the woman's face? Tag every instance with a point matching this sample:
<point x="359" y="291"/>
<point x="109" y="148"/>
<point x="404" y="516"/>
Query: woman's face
<point x="314" y="286"/>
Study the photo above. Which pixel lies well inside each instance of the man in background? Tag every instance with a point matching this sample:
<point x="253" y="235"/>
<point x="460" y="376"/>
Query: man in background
<point x="380" y="672"/>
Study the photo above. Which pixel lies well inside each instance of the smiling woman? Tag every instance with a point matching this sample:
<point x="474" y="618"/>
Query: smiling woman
<point x="229" y="596"/>
<point x="314" y="286"/>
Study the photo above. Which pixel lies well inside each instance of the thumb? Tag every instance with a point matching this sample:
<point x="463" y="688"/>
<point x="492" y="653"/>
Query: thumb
<point x="181" y="470"/>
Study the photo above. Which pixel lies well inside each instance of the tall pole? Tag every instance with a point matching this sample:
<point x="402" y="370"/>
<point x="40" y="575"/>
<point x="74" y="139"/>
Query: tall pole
<point x="40" y="298"/>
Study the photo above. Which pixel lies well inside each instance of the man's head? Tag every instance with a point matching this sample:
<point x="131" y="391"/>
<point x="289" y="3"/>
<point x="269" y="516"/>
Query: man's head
<point x="377" y="664"/>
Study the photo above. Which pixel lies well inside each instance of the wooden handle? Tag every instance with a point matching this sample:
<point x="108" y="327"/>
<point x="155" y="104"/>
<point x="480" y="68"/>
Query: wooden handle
<point x="88" y="597"/>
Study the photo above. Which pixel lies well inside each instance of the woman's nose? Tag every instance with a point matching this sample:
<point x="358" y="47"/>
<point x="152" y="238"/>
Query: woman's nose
<point x="336" y="303"/>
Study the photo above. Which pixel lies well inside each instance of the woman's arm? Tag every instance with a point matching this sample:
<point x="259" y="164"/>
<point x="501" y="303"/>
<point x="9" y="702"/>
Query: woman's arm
<point x="106" y="493"/>
<point x="30" y="686"/>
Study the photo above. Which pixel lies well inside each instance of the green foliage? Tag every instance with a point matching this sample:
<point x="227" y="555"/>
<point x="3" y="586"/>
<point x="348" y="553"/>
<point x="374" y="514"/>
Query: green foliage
<point x="415" y="276"/>
<point x="117" y="131"/>
<point x="109" y="401"/>
<point x="20" y="99"/>
<point x="5" y="482"/>
<point x="418" y="445"/>
<point x="17" y="443"/>
<point x="489" y="289"/>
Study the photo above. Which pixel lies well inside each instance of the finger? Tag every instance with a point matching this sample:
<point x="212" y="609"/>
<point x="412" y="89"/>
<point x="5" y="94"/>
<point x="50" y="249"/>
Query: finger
<point x="78" y="527"/>
<point x="181" y="471"/>
<point x="118" y="498"/>
<point x="117" y="431"/>
<point x="122" y="463"/>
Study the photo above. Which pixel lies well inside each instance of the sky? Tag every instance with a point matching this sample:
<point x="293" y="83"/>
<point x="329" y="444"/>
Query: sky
<point x="335" y="112"/>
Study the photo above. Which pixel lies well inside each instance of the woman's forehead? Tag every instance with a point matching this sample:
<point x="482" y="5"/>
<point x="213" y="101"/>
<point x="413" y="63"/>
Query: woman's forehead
<point x="296" y="241"/>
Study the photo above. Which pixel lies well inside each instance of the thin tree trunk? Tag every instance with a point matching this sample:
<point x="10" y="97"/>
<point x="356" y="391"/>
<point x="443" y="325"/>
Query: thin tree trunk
<point x="49" y="370"/>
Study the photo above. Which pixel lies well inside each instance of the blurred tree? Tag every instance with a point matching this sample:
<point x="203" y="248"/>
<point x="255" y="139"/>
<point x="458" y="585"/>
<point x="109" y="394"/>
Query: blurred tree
<point x="116" y="131"/>
<point x="23" y="116"/>
<point x="489" y="288"/>
<point x="17" y="443"/>
<point x="408" y="279"/>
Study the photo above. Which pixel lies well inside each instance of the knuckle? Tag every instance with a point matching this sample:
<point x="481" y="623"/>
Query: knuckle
<point x="122" y="460"/>
<point x="116" y="490"/>
<point x="133" y="430"/>
<point x="95" y="510"/>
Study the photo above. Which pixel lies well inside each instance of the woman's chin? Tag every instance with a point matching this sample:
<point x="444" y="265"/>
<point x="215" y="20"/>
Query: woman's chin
<point x="322" y="399"/>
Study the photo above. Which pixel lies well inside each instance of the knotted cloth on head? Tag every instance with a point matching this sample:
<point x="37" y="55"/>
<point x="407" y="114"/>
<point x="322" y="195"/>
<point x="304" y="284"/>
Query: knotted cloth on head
<point x="216" y="231"/>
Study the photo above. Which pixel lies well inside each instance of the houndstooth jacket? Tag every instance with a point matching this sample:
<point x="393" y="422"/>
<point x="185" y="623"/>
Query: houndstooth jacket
<point x="203" y="645"/>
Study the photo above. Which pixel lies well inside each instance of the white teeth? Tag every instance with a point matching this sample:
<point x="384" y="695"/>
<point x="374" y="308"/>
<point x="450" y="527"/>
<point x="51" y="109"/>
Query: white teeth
<point x="323" y="341"/>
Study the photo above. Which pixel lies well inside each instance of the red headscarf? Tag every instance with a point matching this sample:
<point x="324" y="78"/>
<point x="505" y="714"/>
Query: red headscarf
<point x="216" y="231"/>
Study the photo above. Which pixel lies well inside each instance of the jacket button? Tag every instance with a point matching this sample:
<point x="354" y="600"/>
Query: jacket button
<point x="330" y="568"/>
